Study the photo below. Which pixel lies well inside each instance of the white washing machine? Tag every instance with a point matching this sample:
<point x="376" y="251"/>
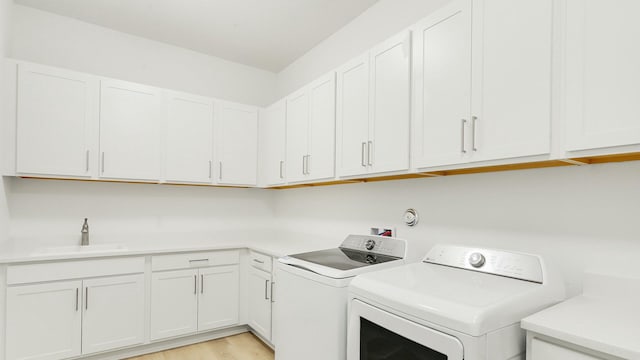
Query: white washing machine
<point x="458" y="303"/>
<point x="311" y="308"/>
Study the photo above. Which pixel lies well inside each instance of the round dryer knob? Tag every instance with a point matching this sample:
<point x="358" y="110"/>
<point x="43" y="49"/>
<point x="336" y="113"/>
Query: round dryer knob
<point x="370" y="244"/>
<point x="476" y="260"/>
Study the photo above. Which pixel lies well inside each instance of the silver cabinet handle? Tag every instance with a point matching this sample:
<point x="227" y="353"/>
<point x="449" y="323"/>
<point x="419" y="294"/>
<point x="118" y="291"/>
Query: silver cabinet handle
<point x="370" y="153"/>
<point x="195" y="284"/>
<point x="86" y="298"/>
<point x="474" y="120"/>
<point x="87" y="161"/>
<point x="198" y="260"/>
<point x="304" y="164"/>
<point x="281" y="171"/>
<point x="308" y="164"/>
<point x="272" y="283"/>
<point x="362" y="160"/>
<point x="102" y="162"/>
<point x="77" y="298"/>
<point x="464" y="123"/>
<point x="220" y="172"/>
<point x="210" y="168"/>
<point x="201" y="284"/>
<point x="258" y="261"/>
<point x="266" y="285"/>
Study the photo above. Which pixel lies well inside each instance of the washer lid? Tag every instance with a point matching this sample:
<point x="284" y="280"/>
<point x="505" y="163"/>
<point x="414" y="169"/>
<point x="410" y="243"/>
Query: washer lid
<point x="470" y="302"/>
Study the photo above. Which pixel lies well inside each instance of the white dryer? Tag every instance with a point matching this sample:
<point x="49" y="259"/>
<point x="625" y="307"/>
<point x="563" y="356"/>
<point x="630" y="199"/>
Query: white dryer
<point x="458" y="303"/>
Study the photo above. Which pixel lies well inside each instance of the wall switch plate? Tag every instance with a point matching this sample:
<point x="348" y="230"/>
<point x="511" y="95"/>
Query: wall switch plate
<point x="389" y="231"/>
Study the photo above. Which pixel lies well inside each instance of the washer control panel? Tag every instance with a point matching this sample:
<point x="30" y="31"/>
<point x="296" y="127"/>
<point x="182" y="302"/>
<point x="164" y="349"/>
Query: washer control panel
<point x="383" y="245"/>
<point x="498" y="262"/>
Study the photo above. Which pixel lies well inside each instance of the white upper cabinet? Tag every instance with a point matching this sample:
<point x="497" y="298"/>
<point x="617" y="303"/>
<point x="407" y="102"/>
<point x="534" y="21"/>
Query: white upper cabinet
<point x="189" y="138"/>
<point x="601" y="73"/>
<point x="311" y="131"/>
<point x="236" y="143"/>
<point x="482" y="81"/>
<point x="511" y="86"/>
<point x="56" y="117"/>
<point x="130" y="124"/>
<point x="373" y="109"/>
<point x="442" y="86"/>
<point x="273" y="129"/>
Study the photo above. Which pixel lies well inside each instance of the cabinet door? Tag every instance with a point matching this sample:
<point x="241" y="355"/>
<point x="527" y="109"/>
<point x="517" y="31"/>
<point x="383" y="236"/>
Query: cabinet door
<point x="352" y="118"/>
<point x="602" y="75"/>
<point x="219" y="297"/>
<point x="55" y="121"/>
<point x="273" y="135"/>
<point x="189" y="138"/>
<point x="44" y="321"/>
<point x="297" y="135"/>
<point x="113" y="315"/>
<point x="260" y="302"/>
<point x="322" y="128"/>
<point x="442" y="85"/>
<point x="237" y="143"/>
<point x="174" y="303"/>
<point x="130" y="123"/>
<point x="511" y="97"/>
<point x="390" y="104"/>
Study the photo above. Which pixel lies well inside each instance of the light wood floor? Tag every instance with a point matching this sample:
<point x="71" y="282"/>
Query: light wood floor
<point x="244" y="346"/>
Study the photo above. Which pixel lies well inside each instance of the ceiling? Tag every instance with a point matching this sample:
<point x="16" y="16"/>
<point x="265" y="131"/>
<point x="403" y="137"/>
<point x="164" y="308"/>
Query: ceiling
<point x="267" y="34"/>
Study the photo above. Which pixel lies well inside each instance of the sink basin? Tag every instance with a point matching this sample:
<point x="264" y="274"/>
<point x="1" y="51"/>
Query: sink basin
<point x="77" y="249"/>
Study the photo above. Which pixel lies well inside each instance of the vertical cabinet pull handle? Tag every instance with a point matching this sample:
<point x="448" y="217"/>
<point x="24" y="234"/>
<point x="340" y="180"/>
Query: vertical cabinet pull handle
<point x="220" y="172"/>
<point x="464" y="151"/>
<point x="102" y="162"/>
<point x="474" y="120"/>
<point x="195" y="284"/>
<point x="86" y="298"/>
<point x="266" y="285"/>
<point x="77" y="298"/>
<point x="362" y="160"/>
<point x="304" y="165"/>
<point x="281" y="171"/>
<point x="370" y="153"/>
<point x="272" y="283"/>
<point x="210" y="168"/>
<point x="201" y="284"/>
<point x="308" y="164"/>
<point x="87" y="161"/>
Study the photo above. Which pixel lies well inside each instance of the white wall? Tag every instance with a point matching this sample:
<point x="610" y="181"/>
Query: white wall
<point x="578" y="217"/>
<point x="55" y="40"/>
<point x="5" y="24"/>
<point x="50" y="212"/>
<point x="382" y="20"/>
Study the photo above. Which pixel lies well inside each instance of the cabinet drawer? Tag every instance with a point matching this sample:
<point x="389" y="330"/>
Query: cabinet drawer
<point x="260" y="261"/>
<point x="194" y="260"/>
<point x="30" y="273"/>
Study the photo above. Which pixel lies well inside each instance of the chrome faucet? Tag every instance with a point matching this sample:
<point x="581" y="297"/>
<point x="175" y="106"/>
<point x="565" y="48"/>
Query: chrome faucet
<point x="85" y="233"/>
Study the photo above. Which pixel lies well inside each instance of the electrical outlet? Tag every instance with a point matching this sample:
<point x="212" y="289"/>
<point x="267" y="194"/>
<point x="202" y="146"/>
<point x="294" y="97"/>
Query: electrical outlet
<point x="383" y="231"/>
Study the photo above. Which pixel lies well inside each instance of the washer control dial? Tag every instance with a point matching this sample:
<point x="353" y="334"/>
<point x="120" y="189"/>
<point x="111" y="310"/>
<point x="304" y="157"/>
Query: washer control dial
<point x="476" y="260"/>
<point x="370" y="244"/>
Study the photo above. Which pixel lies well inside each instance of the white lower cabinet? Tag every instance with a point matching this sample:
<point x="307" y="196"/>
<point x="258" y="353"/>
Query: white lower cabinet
<point x="44" y="321"/>
<point x="260" y="302"/>
<point x="543" y="350"/>
<point x="186" y="301"/>
<point x="261" y="294"/>
<point x="64" y="319"/>
<point x="113" y="313"/>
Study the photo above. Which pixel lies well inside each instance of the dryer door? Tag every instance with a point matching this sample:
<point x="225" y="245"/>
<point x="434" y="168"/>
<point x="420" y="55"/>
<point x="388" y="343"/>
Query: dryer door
<point x="376" y="334"/>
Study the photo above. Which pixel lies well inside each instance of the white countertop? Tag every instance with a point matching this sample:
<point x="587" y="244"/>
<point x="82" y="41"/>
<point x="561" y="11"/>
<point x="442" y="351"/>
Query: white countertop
<point x="267" y="242"/>
<point x="605" y="318"/>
